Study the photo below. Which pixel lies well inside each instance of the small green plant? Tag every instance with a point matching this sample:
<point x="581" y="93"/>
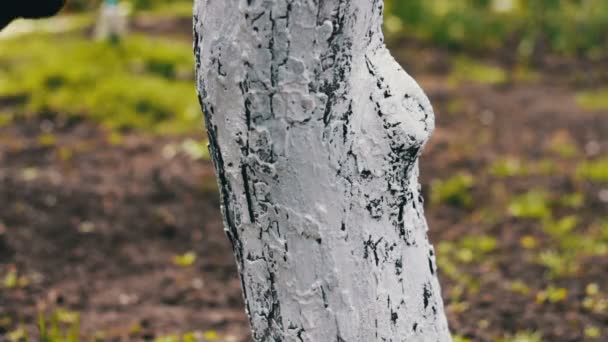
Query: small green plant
<point x="565" y="27"/>
<point x="559" y="264"/>
<point x="559" y="229"/>
<point x="524" y="336"/>
<point x="455" y="191"/>
<point x="450" y="267"/>
<point x="185" y="260"/>
<point x="61" y="326"/>
<point x="593" y="100"/>
<point x="595" y="171"/>
<point x="592" y="332"/>
<point x="196" y="336"/>
<point x="562" y="144"/>
<point x="466" y="69"/>
<point x="534" y="204"/>
<point x="12" y="280"/>
<point x="574" y="200"/>
<point x="474" y="247"/>
<point x="595" y="300"/>
<point x="552" y="294"/>
<point x="470" y="249"/>
<point x="508" y="167"/>
<point x="459" y="338"/>
<point x="519" y="287"/>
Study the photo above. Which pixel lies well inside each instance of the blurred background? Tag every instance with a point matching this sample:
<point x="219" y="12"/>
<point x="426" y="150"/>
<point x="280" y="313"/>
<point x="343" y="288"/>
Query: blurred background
<point x="109" y="216"/>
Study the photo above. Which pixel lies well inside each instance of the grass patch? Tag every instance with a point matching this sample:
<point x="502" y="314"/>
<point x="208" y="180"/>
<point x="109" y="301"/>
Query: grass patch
<point x="523" y="336"/>
<point x="508" y="167"/>
<point x="564" y="27"/>
<point x="140" y="83"/>
<point x="571" y="245"/>
<point x="534" y="204"/>
<point x="594" y="171"/>
<point x="455" y="191"/>
<point x="470" y="249"/>
<point x="514" y="167"/>
<point x="593" y="100"/>
<point x="467" y="69"/>
<point x="171" y="9"/>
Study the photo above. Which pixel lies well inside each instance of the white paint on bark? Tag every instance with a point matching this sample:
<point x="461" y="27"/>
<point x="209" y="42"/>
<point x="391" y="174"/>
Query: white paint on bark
<point x="315" y="132"/>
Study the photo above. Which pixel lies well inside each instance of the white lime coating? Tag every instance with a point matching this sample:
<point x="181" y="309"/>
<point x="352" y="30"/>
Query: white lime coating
<point x="315" y="132"/>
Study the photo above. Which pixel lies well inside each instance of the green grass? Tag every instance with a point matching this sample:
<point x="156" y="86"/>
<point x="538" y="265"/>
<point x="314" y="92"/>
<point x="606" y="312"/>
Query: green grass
<point x="593" y="99"/>
<point x="470" y="249"/>
<point x="466" y="69"/>
<point x="561" y="26"/>
<point x="535" y="204"/>
<point x="64" y="326"/>
<point x="455" y="191"/>
<point x="514" y="167"/>
<point x="594" y="171"/>
<point x="171" y="9"/>
<point x="140" y="83"/>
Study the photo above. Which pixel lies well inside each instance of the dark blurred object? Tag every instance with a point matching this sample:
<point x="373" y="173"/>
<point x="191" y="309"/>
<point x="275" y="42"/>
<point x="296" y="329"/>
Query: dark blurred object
<point x="29" y="9"/>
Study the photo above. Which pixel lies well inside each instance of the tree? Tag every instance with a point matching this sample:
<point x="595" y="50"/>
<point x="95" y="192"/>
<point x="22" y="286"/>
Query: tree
<point x="315" y="133"/>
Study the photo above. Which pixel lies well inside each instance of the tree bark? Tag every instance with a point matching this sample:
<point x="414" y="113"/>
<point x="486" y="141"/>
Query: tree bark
<point x="315" y="132"/>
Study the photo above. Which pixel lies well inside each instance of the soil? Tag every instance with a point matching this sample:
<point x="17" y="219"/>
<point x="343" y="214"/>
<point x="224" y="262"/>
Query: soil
<point x="94" y="225"/>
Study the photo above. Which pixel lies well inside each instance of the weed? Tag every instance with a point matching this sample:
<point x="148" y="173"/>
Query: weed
<point x="454" y="191"/>
<point x="565" y="27"/>
<point x="534" y="204"/>
<point x="593" y="100"/>
<point x="523" y="336"/>
<point x="508" y="167"/>
<point x="552" y="294"/>
<point x="466" y="69"/>
<point x="592" y="332"/>
<point x="594" y="171"/>
<point x="185" y="260"/>
<point x="559" y="264"/>
<point x="562" y="144"/>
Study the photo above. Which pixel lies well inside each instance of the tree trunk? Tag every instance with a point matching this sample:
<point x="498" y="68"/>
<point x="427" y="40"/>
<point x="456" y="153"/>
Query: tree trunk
<point x="315" y="132"/>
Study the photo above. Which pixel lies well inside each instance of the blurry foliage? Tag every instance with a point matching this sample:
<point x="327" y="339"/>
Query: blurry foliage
<point x="60" y="326"/>
<point x="508" y="167"/>
<point x="552" y="294"/>
<point x="595" y="171"/>
<point x="454" y="191"/>
<point x="593" y="100"/>
<point x="466" y="250"/>
<point x="76" y="5"/>
<point x="184" y="260"/>
<point x="592" y="332"/>
<point x="562" y="144"/>
<point x="13" y="280"/>
<point x="562" y="227"/>
<point x="595" y="300"/>
<point x="144" y="83"/>
<point x="523" y="336"/>
<point x="562" y="26"/>
<point x="534" y="204"/>
<point x="466" y="69"/>
<point x="64" y="326"/>
<point x="514" y="167"/>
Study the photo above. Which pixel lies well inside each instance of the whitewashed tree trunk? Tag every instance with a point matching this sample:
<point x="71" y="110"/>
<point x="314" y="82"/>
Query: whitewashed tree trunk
<point x="315" y="132"/>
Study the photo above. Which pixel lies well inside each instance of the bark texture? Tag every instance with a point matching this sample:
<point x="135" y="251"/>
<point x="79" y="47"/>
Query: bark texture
<point x="315" y="132"/>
